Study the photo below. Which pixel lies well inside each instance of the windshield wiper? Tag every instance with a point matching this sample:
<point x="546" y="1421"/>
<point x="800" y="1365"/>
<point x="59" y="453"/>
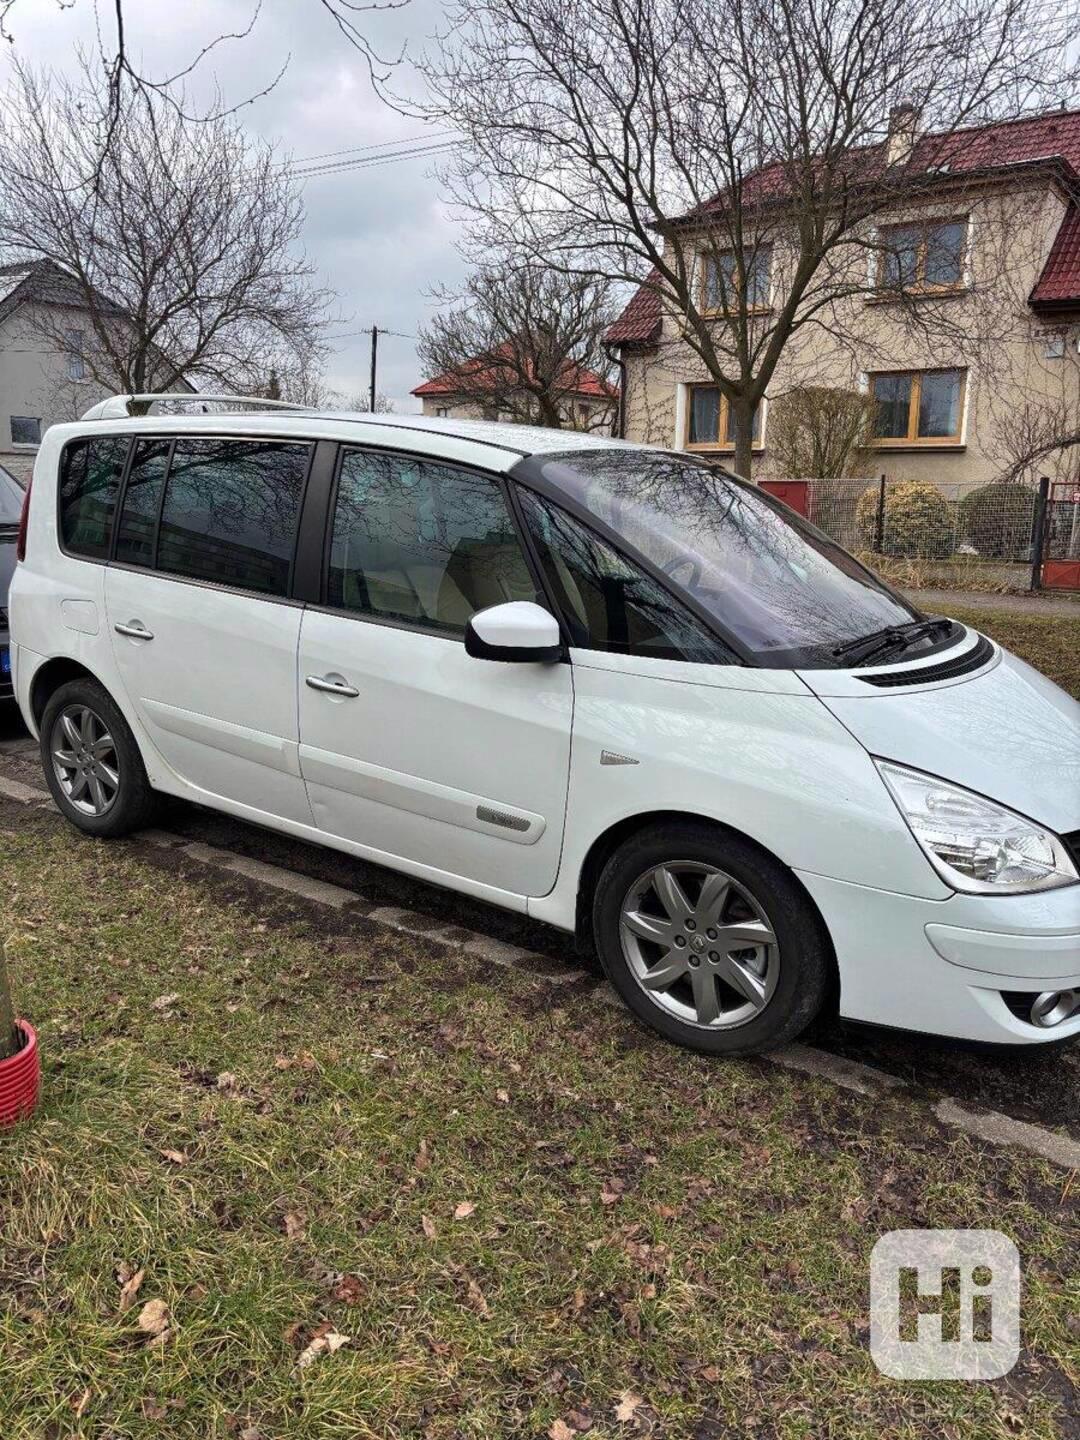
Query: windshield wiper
<point x="891" y="637"/>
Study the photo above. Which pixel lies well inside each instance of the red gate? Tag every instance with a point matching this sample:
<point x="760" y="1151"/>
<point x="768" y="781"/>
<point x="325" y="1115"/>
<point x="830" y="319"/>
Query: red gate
<point x="795" y="493"/>
<point x="1061" y="537"/>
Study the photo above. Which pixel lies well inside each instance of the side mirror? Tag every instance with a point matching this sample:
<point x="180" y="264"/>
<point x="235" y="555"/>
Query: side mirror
<point x="518" y="630"/>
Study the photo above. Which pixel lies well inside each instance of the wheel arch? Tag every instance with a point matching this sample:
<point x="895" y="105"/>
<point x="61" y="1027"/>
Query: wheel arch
<point x="50" y="676"/>
<point x="609" y="840"/>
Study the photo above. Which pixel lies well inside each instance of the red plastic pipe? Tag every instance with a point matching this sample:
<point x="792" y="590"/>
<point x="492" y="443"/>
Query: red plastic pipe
<point x="20" y="1079"/>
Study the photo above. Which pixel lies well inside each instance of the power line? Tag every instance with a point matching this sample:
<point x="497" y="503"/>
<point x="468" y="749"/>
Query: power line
<point x="379" y="145"/>
<point x="343" y="167"/>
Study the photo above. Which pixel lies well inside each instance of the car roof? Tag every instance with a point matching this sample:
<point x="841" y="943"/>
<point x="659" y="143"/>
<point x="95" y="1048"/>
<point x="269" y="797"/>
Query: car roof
<point x="492" y="444"/>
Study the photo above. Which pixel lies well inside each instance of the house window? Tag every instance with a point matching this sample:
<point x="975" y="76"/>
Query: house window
<point x="918" y="407"/>
<point x="721" y="280"/>
<point x="923" y="257"/>
<point x="25" y="430"/>
<point x="709" y="422"/>
<point x="441" y="411"/>
<point x="76" y="364"/>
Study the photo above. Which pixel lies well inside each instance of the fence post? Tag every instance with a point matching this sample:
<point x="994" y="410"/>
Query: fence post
<point x="879" y="526"/>
<point x="1038" y="532"/>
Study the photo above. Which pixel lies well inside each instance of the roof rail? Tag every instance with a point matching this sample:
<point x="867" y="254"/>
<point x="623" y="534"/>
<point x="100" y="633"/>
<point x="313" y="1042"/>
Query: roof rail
<point x="120" y="407"/>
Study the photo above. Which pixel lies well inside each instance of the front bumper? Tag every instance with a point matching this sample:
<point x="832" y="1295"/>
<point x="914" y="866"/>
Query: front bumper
<point x="944" y="967"/>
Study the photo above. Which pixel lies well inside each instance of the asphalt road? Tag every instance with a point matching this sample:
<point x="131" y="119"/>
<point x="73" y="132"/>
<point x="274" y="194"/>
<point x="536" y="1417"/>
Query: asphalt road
<point x="1040" y="1084"/>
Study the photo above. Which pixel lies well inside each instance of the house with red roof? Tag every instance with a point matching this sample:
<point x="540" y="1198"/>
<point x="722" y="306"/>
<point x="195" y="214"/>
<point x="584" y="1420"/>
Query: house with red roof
<point x="985" y="235"/>
<point x="506" y="386"/>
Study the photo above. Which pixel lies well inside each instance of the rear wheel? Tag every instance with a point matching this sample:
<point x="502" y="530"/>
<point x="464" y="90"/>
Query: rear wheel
<point x="91" y="761"/>
<point x="709" y="940"/>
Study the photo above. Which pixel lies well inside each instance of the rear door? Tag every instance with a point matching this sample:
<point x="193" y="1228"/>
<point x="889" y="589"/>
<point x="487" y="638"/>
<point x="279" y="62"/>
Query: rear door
<point x="410" y="747"/>
<point x="203" y="630"/>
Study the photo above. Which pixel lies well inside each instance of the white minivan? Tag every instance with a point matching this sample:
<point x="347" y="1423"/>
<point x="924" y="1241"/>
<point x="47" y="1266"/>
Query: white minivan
<point x="613" y="688"/>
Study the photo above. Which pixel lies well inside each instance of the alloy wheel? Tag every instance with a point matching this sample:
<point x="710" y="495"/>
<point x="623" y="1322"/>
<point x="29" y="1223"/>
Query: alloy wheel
<point x="699" y="944"/>
<point x="85" y="761"/>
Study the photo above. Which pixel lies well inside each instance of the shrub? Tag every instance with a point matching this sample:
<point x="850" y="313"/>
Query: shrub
<point x="917" y="520"/>
<point x="996" y="520"/>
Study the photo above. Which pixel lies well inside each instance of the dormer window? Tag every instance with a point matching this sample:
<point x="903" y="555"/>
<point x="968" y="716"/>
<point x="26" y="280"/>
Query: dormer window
<point x="721" y="280"/>
<point x="924" y="257"/>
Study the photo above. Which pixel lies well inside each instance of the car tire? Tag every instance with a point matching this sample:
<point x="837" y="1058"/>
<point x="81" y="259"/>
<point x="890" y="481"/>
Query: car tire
<point x="103" y="790"/>
<point x="710" y="940"/>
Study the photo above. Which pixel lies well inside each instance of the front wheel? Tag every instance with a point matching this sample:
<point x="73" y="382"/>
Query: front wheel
<point x="709" y="940"/>
<point x="92" y="763"/>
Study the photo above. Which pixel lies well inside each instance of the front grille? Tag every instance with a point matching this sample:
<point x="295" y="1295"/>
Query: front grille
<point x="971" y="659"/>
<point x="1071" y="841"/>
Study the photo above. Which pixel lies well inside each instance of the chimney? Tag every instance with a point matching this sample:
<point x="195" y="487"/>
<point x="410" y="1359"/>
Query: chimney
<point x="900" y="140"/>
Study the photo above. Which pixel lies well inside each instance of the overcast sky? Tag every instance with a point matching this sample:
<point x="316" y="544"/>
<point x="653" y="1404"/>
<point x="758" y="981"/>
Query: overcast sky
<point x="378" y="236"/>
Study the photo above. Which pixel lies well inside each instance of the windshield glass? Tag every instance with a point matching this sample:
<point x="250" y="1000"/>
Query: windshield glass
<point x="11" y="498"/>
<point x="783" y="589"/>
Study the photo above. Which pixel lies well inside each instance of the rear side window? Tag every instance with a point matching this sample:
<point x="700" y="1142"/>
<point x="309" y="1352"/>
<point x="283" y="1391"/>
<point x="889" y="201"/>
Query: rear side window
<point x="230" y="512"/>
<point x="90" y="472"/>
<point x="142" y="500"/>
<point x="609" y="602"/>
<point x="421" y="543"/>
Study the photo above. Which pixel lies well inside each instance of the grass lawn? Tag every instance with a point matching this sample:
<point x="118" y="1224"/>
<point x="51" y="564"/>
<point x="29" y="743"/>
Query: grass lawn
<point x="529" y="1217"/>
<point x="1049" y="642"/>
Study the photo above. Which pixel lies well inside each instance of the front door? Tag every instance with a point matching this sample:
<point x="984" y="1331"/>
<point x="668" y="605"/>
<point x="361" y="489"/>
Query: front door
<point x="204" y="637"/>
<point x="409" y="747"/>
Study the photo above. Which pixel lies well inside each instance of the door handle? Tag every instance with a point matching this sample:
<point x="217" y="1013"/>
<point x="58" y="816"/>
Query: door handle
<point x="332" y="687"/>
<point x="136" y="630"/>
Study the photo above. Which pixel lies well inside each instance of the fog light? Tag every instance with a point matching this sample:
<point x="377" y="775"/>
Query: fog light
<point x="1053" y="1007"/>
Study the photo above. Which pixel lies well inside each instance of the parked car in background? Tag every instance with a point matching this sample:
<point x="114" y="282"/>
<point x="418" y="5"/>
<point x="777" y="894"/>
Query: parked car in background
<point x="614" y="688"/>
<point x="11" y="500"/>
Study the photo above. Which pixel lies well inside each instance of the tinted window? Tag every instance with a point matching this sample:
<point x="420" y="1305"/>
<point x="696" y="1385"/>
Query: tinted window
<point x="25" y="430"/>
<point x="786" y="591"/>
<point x="142" y="501"/>
<point x="11" y="498"/>
<point x="610" y="603"/>
<point x="90" y="472"/>
<point x="421" y="543"/>
<point x="230" y="512"/>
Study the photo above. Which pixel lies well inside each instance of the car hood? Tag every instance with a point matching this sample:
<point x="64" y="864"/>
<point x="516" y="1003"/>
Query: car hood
<point x="7" y="563"/>
<point x="1009" y="733"/>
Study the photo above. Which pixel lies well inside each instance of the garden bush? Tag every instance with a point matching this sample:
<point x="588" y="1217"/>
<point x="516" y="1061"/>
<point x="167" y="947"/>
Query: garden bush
<point x="918" y="521"/>
<point x="996" y="520"/>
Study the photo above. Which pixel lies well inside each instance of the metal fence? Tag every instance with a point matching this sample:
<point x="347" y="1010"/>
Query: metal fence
<point x="918" y="520"/>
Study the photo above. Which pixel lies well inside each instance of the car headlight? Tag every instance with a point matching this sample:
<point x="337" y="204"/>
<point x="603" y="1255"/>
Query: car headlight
<point x="973" y="843"/>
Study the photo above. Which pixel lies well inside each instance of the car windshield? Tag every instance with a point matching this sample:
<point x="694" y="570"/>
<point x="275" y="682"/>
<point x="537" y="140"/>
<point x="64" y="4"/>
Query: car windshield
<point x="11" y="498"/>
<point x="773" y="581"/>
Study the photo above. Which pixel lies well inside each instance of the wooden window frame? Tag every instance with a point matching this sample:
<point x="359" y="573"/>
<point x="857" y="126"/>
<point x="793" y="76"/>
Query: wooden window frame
<point x="714" y="256"/>
<point x="724" y="446"/>
<point x="913" y="440"/>
<point x="920" y="285"/>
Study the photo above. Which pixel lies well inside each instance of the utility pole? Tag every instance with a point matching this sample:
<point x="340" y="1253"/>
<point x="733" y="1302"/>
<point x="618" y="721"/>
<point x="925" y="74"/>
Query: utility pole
<point x="374" y="352"/>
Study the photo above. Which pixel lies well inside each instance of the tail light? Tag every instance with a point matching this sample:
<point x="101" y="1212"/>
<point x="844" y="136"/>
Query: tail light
<point x="24" y="520"/>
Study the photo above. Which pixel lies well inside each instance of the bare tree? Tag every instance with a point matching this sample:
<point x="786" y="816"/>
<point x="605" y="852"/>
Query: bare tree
<point x="1040" y="435"/>
<point x="360" y="403"/>
<point x="177" y="241"/>
<point x="520" y="340"/>
<point x="10" y="1040"/>
<point x="819" y="432"/>
<point x="731" y="155"/>
<point x="122" y="74"/>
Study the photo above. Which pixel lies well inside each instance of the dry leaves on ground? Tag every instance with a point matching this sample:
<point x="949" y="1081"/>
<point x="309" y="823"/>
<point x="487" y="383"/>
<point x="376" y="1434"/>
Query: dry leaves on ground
<point x="464" y="1210"/>
<point x="324" y="1341"/>
<point x="130" y="1280"/>
<point x="155" y="1321"/>
<point x="628" y="1406"/>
